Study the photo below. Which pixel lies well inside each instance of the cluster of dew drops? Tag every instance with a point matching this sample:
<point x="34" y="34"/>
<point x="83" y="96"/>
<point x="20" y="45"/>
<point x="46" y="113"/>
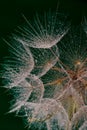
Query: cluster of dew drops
<point x="46" y="73"/>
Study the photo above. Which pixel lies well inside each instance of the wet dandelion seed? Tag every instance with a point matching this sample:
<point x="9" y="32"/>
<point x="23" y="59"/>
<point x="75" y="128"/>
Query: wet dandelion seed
<point x="47" y="74"/>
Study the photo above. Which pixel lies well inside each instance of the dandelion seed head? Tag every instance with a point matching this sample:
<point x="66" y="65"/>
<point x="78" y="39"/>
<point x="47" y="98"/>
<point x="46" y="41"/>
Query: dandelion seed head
<point x="46" y="73"/>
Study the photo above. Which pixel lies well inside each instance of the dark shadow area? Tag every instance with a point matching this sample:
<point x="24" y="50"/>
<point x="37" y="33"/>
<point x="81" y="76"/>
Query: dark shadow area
<point x="10" y="11"/>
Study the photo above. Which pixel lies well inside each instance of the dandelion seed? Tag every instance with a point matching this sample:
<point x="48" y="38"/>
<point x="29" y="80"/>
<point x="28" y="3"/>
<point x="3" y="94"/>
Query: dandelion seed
<point x="47" y="111"/>
<point x="31" y="89"/>
<point x="44" y="32"/>
<point x="17" y="66"/>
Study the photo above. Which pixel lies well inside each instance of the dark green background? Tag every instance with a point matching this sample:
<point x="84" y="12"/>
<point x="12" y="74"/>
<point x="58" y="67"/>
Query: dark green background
<point x="10" y="10"/>
<point x="10" y="17"/>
